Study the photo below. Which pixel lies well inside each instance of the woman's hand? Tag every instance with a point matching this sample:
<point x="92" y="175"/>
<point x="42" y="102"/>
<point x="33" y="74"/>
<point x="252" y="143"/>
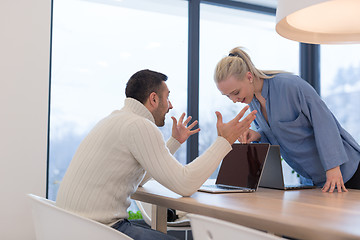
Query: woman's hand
<point x="249" y="136"/>
<point x="334" y="179"/>
<point x="180" y="131"/>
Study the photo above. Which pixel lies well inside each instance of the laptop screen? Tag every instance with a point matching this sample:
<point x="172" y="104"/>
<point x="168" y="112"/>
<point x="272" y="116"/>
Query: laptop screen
<point x="243" y="165"/>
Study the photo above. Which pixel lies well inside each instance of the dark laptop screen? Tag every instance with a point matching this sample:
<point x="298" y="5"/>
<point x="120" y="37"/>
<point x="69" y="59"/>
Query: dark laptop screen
<point x="242" y="166"/>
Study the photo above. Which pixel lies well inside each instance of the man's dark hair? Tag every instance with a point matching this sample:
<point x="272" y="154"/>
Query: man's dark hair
<point x="142" y="83"/>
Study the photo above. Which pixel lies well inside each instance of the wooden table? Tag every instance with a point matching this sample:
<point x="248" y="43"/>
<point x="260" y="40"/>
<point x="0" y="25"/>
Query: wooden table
<point x="301" y="214"/>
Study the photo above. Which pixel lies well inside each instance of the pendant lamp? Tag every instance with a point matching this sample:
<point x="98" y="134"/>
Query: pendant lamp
<point x="319" y="21"/>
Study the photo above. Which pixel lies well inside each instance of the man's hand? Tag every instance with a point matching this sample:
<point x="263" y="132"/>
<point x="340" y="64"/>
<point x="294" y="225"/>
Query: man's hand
<point x="334" y="179"/>
<point x="180" y="131"/>
<point x="233" y="129"/>
<point x="249" y="136"/>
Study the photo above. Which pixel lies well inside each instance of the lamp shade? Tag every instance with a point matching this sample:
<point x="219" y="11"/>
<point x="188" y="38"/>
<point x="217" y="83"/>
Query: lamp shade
<point x="319" y="21"/>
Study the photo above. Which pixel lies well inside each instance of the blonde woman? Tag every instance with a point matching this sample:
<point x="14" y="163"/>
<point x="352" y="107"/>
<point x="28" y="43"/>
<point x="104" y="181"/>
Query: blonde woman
<point x="291" y="114"/>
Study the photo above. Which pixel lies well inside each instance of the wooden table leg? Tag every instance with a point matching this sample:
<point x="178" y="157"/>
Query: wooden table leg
<point x="159" y="218"/>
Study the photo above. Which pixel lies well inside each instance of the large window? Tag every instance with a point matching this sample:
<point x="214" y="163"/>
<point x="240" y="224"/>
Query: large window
<point x="222" y="29"/>
<point x="98" y="44"/>
<point x="340" y="84"/>
<point x="96" y="47"/>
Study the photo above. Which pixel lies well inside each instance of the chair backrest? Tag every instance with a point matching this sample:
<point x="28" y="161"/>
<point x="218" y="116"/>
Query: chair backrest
<point x="54" y="223"/>
<point x="206" y="228"/>
<point x="145" y="209"/>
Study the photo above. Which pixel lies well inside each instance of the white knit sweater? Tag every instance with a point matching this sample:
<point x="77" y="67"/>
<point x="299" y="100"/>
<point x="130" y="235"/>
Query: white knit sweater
<point x="112" y="160"/>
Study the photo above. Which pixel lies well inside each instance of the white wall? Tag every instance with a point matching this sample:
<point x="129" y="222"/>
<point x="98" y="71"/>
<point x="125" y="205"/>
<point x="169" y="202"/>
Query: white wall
<point x="24" y="88"/>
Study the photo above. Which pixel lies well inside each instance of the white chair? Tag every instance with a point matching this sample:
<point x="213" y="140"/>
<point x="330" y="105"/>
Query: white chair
<point x="206" y="228"/>
<point x="178" y="225"/>
<point x="54" y="223"/>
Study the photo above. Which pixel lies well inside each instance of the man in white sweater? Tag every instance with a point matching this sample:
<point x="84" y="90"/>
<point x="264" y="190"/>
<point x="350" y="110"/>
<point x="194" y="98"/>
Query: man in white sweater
<point x="113" y="159"/>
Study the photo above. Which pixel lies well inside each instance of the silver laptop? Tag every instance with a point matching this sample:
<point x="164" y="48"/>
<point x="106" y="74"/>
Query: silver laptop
<point x="240" y="170"/>
<point x="273" y="176"/>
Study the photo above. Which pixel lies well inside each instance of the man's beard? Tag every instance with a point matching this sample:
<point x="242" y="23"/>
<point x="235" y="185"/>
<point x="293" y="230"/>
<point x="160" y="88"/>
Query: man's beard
<point x="162" y="123"/>
<point x="159" y="117"/>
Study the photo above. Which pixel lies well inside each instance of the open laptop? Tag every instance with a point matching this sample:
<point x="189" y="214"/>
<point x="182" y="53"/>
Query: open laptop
<point x="240" y="170"/>
<point x="273" y="176"/>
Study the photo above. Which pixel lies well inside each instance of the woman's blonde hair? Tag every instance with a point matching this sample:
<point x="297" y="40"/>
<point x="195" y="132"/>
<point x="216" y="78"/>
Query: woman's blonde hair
<point x="237" y="64"/>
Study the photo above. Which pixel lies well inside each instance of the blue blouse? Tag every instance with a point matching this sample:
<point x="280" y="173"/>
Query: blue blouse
<point x="311" y="139"/>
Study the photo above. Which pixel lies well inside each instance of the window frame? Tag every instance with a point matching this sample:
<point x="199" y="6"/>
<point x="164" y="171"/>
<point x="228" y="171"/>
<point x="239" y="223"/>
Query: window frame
<point x="308" y="53"/>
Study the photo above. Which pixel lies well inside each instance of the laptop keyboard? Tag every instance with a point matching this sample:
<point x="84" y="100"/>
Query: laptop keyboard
<point x="220" y="186"/>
